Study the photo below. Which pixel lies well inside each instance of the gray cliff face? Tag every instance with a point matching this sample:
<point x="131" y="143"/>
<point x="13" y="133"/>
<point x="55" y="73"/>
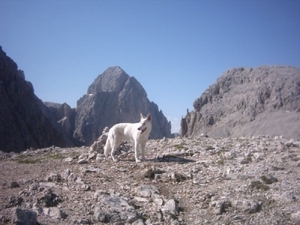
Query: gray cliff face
<point x="247" y="102"/>
<point x="62" y="117"/>
<point x="23" y="123"/>
<point x="115" y="97"/>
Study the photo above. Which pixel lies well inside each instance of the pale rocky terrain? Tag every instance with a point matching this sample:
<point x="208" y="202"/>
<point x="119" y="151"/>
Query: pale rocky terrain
<point x="199" y="180"/>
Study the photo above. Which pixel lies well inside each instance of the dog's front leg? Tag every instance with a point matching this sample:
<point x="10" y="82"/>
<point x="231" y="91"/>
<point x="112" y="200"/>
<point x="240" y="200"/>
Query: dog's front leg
<point x="112" y="156"/>
<point x="136" y="152"/>
<point x="143" y="151"/>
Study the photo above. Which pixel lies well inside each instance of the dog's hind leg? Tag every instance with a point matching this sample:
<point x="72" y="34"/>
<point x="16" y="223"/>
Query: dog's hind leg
<point x="107" y="148"/>
<point x="114" y="145"/>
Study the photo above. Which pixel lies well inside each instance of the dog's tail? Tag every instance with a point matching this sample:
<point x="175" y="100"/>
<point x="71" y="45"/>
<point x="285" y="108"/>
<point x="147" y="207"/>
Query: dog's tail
<point x="107" y="148"/>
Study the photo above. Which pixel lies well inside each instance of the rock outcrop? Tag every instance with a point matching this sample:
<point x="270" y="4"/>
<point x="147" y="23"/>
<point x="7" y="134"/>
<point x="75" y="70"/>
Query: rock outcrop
<point x="63" y="117"/>
<point x="248" y="102"/>
<point x="23" y="118"/>
<point x="115" y="97"/>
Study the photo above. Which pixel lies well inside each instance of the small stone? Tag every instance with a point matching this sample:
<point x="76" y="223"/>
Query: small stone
<point x="244" y="161"/>
<point x="85" y="187"/>
<point x="56" y="213"/>
<point x="54" y="177"/>
<point x="296" y="217"/>
<point x="14" y="184"/>
<point x="151" y="172"/>
<point x="99" y="215"/>
<point x="82" y="161"/>
<point x="171" y="206"/>
<point x="140" y="199"/>
<point x="24" y="216"/>
<point x="159" y="201"/>
<point x="66" y="173"/>
<point x="14" y="201"/>
<point x="69" y="159"/>
<point x="83" y="156"/>
<point x="146" y="191"/>
<point x="92" y="155"/>
<point x="138" y="222"/>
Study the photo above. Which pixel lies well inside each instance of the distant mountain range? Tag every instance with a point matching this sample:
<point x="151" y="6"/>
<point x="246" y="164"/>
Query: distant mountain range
<point x="26" y="122"/>
<point x="242" y="102"/>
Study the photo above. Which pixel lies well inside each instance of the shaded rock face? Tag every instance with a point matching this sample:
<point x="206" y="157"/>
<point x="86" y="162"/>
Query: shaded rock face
<point x="23" y="118"/>
<point x="248" y="102"/>
<point x="115" y="97"/>
<point x="63" y="117"/>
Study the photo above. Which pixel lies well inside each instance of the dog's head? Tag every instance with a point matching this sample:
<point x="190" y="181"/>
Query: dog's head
<point x="145" y="123"/>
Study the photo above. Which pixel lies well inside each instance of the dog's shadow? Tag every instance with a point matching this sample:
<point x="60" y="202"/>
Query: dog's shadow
<point x="173" y="158"/>
<point x="165" y="158"/>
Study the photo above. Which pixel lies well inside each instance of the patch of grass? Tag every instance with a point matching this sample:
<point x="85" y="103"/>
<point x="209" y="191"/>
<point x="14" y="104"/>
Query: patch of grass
<point x="74" y="155"/>
<point x="196" y="143"/>
<point x="220" y="153"/>
<point x="276" y="168"/>
<point x="258" y="185"/>
<point x="180" y="146"/>
<point x="221" y="160"/>
<point x="296" y="159"/>
<point x="56" y="156"/>
<point x="268" y="180"/>
<point x="27" y="160"/>
<point x="209" y="148"/>
<point x="249" y="159"/>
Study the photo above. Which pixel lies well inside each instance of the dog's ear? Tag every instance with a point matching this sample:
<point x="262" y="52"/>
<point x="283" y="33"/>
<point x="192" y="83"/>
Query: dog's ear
<point x="141" y="115"/>
<point x="149" y="117"/>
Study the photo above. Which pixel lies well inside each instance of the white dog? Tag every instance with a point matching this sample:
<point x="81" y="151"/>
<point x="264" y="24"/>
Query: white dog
<point x="136" y="132"/>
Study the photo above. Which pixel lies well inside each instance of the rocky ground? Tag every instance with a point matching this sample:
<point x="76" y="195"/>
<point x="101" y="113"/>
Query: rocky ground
<point x="184" y="181"/>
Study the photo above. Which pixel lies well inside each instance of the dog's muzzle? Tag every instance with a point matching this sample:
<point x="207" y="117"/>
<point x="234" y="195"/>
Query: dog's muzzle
<point x="142" y="131"/>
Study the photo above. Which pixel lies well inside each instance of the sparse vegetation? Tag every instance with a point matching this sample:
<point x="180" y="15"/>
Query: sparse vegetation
<point x="268" y="180"/>
<point x="28" y="160"/>
<point x="221" y="160"/>
<point x="259" y="185"/>
<point x="209" y="148"/>
<point x="54" y="156"/>
<point x="180" y="146"/>
<point x="277" y="168"/>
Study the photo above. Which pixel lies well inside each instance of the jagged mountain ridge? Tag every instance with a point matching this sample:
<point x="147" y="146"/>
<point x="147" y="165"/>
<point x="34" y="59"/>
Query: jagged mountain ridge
<point x="112" y="98"/>
<point x="24" y="121"/>
<point x="247" y="102"/>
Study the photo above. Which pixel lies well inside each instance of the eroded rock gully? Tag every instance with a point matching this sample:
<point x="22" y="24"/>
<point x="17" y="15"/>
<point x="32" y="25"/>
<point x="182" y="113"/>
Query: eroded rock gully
<point x="184" y="181"/>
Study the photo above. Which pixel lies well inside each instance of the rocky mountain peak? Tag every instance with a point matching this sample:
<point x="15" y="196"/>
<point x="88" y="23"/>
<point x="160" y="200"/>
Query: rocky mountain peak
<point x="111" y="80"/>
<point x="115" y="97"/>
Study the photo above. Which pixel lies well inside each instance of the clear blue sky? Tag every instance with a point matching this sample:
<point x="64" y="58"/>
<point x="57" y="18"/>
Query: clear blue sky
<point x="174" y="48"/>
